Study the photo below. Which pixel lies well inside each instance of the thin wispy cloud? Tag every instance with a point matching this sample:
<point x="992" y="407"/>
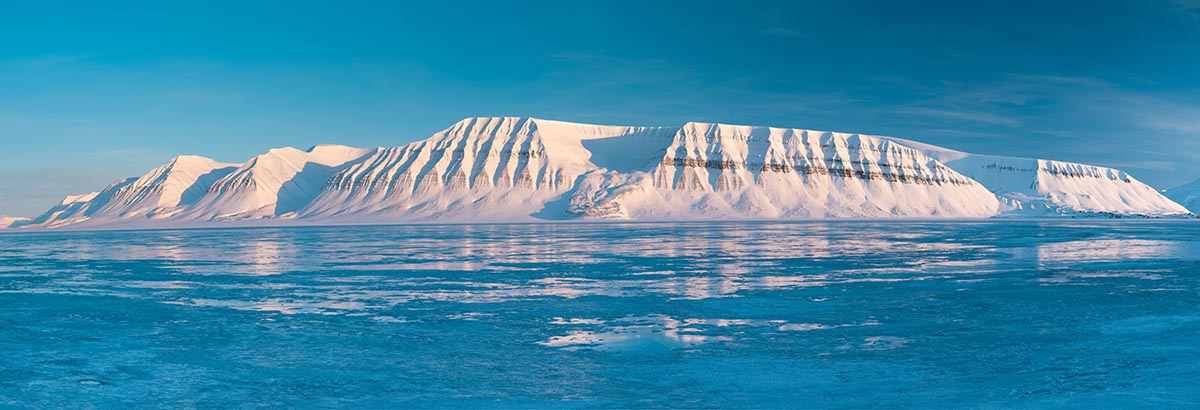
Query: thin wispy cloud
<point x="1157" y="165"/>
<point x="136" y="154"/>
<point x="202" y="96"/>
<point x="1190" y="6"/>
<point x="48" y="60"/>
<point x="958" y="115"/>
<point x="784" y="32"/>
<point x="1072" y="118"/>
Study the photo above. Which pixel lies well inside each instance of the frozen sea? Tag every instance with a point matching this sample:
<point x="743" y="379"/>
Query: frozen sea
<point x="848" y="314"/>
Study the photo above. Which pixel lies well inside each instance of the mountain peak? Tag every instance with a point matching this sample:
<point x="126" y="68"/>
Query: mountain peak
<point x="191" y="162"/>
<point x="485" y="118"/>
<point x="330" y="148"/>
<point x="190" y="158"/>
<point x="281" y="150"/>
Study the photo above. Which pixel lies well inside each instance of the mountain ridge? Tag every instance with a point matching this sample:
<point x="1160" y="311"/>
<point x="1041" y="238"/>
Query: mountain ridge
<point x="1187" y="195"/>
<point x="528" y="169"/>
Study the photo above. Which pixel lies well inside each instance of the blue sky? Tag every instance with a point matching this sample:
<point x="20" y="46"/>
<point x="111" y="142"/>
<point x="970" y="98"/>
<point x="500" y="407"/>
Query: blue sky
<point x="92" y="92"/>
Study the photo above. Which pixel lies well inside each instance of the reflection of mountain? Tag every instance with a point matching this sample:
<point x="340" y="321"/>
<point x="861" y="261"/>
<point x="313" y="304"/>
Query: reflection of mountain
<point x="1062" y="260"/>
<point x="523" y="169"/>
<point x="1066" y="254"/>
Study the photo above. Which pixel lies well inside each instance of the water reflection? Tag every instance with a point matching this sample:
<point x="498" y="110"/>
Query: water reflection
<point x="261" y="258"/>
<point x="340" y="271"/>
<point x="1104" y="250"/>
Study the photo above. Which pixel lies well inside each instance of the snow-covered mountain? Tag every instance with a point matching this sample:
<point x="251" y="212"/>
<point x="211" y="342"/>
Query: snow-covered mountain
<point x="1041" y="187"/>
<point x="272" y="185"/>
<point x="162" y="193"/>
<point x="715" y="170"/>
<point x="9" y="221"/>
<point x="1187" y="195"/>
<point x="482" y="169"/>
<point x="78" y="208"/>
<point x="527" y="169"/>
<point x="167" y="190"/>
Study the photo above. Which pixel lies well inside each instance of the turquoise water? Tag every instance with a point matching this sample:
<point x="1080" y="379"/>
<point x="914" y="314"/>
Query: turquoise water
<point x="822" y="314"/>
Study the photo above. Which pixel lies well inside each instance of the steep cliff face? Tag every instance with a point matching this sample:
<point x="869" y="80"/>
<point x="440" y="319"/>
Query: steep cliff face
<point x="1039" y="187"/>
<point x="760" y="172"/>
<point x="522" y="169"/>
<point x="1187" y="195"/>
<point x="497" y="168"/>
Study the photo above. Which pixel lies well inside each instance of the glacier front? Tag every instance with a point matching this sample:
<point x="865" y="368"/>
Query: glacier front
<point x="512" y="169"/>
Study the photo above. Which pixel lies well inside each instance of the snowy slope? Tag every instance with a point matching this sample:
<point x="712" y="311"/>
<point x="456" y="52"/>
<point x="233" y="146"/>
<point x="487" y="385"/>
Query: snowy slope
<point x="167" y="190"/>
<point x="10" y="221"/>
<point x="1187" y="195"/>
<point x="1040" y="187"/>
<point x="273" y="184"/>
<point x="522" y="169"/>
<point x="75" y="209"/>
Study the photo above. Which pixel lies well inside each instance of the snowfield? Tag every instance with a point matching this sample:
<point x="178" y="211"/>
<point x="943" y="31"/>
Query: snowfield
<point x="526" y="169"/>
